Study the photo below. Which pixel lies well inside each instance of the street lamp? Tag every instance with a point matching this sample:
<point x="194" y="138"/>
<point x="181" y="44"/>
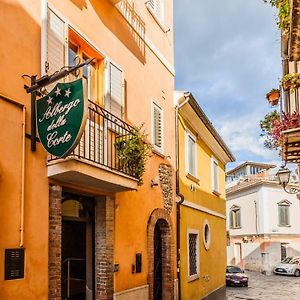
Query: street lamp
<point x="283" y="175"/>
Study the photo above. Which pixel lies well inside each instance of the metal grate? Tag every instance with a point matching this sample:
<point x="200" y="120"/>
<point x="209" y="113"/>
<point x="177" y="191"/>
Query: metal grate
<point x="193" y="253"/>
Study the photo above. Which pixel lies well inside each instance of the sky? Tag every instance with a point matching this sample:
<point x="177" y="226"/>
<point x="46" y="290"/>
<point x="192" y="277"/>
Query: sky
<point x="227" y="54"/>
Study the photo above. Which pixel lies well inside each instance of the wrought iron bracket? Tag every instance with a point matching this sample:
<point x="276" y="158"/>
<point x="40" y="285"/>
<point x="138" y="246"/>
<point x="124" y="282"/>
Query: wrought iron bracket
<point x="35" y="90"/>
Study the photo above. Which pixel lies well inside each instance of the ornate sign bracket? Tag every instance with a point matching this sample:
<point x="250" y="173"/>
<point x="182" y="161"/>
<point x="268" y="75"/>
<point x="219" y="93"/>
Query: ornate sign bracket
<point x="35" y="90"/>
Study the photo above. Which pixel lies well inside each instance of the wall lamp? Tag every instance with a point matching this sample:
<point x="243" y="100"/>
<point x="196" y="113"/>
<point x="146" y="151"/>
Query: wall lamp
<point x="283" y="175"/>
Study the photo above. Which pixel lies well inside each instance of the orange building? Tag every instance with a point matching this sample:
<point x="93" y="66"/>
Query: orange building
<point x="81" y="227"/>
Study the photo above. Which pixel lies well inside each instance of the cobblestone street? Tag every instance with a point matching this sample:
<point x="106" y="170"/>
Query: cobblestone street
<point x="273" y="287"/>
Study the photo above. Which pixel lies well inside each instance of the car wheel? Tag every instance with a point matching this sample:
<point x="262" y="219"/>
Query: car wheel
<point x="297" y="273"/>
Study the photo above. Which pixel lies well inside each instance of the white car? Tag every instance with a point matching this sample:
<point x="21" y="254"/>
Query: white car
<point x="289" y="266"/>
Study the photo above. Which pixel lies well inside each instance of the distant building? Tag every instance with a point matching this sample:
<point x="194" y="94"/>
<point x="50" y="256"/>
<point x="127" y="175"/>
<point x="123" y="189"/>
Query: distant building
<point x="262" y="219"/>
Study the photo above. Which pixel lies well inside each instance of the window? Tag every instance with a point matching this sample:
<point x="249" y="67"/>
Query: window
<point x="157" y="128"/>
<point x="284" y="213"/>
<point x="215" y="176"/>
<point x="235" y="217"/>
<point x="191" y="159"/>
<point x="103" y="81"/>
<point x="206" y="235"/>
<point x="193" y="254"/>
<point x="157" y="8"/>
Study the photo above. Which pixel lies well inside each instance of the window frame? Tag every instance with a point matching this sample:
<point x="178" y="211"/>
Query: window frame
<point x="233" y="224"/>
<point x="284" y="204"/>
<point x="155" y="148"/>
<point x="197" y="275"/>
<point x="189" y="135"/>
<point x="152" y="8"/>
<point x="215" y="189"/>
<point x="207" y="242"/>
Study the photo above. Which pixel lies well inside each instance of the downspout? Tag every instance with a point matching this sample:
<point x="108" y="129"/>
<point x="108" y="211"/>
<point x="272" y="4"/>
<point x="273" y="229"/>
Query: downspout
<point x="22" y="180"/>
<point x="22" y="196"/>
<point x="179" y="195"/>
<point x="256" y="218"/>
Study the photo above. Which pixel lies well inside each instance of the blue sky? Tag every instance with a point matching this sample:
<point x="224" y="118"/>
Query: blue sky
<point x="227" y="53"/>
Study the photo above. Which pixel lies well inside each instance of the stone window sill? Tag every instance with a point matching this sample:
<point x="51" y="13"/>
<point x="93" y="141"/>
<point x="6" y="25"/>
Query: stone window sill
<point x="193" y="178"/>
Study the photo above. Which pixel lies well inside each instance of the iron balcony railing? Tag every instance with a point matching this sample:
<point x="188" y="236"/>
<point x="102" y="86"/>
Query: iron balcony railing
<point x="101" y="140"/>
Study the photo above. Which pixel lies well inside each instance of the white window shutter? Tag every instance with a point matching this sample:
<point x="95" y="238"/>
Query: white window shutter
<point x="56" y="43"/>
<point x="157" y="128"/>
<point x="115" y="90"/>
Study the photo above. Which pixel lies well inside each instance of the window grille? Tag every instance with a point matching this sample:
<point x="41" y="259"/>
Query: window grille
<point x="193" y="238"/>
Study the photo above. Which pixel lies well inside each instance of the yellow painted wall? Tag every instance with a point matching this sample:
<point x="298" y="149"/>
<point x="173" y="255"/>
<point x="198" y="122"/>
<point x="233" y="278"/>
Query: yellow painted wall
<point x="213" y="261"/>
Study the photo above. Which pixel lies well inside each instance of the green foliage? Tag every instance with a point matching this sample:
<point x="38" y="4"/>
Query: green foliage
<point x="274" y="123"/>
<point x="291" y="81"/>
<point x="132" y="152"/>
<point x="283" y="19"/>
<point x="267" y="126"/>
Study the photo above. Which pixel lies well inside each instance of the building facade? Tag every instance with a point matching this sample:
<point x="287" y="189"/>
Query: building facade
<point x="202" y="156"/>
<point x="262" y="220"/>
<point x="81" y="227"/>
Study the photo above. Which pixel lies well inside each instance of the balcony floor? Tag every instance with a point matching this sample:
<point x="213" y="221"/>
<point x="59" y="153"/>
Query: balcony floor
<point x="82" y="173"/>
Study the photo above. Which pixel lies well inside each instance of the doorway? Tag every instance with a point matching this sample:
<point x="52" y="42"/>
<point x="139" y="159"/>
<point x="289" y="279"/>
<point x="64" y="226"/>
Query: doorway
<point x="157" y="263"/>
<point x="77" y="249"/>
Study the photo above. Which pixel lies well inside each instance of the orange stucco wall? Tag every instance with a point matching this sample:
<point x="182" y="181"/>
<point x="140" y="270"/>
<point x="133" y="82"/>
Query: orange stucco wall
<point x="20" y="54"/>
<point x="146" y="79"/>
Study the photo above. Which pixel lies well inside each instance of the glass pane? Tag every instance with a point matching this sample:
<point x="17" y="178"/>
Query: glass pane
<point x="72" y="53"/>
<point x="73" y="208"/>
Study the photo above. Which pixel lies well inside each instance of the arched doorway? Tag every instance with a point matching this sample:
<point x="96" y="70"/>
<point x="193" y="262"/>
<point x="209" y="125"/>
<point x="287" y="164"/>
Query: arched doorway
<point x="77" y="248"/>
<point x="160" y="256"/>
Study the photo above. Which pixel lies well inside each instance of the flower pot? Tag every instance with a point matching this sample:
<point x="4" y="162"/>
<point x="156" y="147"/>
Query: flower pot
<point x="273" y="97"/>
<point x="287" y="85"/>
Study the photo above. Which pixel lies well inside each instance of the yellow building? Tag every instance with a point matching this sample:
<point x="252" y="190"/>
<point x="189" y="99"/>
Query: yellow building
<point x="202" y="156"/>
<point x="81" y="226"/>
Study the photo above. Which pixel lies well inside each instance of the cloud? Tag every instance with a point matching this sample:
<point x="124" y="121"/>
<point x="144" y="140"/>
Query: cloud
<point x="227" y="53"/>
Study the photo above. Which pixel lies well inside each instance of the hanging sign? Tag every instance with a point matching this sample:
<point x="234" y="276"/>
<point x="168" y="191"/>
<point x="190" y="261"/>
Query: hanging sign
<point x="61" y="117"/>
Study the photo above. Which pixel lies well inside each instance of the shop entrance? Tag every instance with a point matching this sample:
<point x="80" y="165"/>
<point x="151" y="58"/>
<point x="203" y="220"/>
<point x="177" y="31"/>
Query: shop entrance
<point x="77" y="274"/>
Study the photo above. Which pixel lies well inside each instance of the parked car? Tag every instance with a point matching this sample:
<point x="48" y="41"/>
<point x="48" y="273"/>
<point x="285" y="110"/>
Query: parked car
<point x="289" y="266"/>
<point x="235" y="276"/>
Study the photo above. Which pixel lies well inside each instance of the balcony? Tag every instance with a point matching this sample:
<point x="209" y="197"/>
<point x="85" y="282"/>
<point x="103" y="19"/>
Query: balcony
<point x="291" y="145"/>
<point x="94" y="163"/>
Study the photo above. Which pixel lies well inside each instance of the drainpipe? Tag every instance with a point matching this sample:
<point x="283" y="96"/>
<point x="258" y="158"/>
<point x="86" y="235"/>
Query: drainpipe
<point x="179" y="195"/>
<point x="22" y="180"/>
<point x="22" y="196"/>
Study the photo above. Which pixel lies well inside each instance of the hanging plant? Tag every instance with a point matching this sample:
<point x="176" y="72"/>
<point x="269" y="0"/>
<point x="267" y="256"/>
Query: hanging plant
<point x="283" y="19"/>
<point x="132" y="152"/>
<point x="291" y="81"/>
<point x="272" y="125"/>
<point x="273" y="96"/>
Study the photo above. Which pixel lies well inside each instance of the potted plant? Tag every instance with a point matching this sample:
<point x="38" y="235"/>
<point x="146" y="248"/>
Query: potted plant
<point x="291" y="81"/>
<point x="132" y="152"/>
<point x="273" y="96"/>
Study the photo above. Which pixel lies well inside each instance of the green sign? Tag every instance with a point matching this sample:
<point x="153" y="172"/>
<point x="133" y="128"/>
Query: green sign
<point x="61" y="118"/>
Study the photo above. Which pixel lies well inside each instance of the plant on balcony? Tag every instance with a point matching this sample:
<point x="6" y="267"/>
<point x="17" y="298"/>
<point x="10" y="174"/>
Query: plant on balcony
<point x="283" y="19"/>
<point x="291" y="81"/>
<point x="133" y="151"/>
<point x="272" y="125"/>
<point x="273" y="96"/>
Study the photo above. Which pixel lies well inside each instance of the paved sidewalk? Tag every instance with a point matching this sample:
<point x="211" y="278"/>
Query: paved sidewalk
<point x="261" y="287"/>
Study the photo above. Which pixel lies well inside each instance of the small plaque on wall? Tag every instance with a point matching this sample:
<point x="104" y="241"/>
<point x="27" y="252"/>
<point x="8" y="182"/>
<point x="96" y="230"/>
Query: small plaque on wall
<point x="14" y="263"/>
